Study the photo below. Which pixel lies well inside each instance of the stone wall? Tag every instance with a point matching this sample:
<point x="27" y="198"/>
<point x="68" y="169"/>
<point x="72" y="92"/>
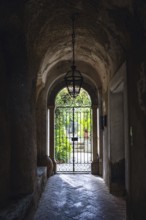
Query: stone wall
<point x="137" y="128"/>
<point x="4" y="136"/>
<point x="17" y="112"/>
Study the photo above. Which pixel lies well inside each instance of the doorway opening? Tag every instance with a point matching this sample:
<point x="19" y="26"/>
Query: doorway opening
<point x="117" y="139"/>
<point x="73" y="132"/>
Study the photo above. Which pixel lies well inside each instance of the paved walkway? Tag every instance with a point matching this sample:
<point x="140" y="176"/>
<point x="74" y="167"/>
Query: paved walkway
<point x="78" y="197"/>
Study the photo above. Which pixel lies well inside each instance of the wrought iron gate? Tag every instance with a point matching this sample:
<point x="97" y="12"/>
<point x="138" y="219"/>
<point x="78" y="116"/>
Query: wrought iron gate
<point x="73" y="139"/>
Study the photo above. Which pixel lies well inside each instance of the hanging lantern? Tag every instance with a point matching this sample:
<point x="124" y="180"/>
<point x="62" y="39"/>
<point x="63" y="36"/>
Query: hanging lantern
<point x="73" y="80"/>
<point x="73" y="77"/>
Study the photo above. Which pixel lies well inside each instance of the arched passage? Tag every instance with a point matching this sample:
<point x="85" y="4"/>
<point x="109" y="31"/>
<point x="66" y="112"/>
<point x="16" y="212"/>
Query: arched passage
<point x="46" y="100"/>
<point x="97" y="59"/>
<point x="35" y="44"/>
<point x="97" y="147"/>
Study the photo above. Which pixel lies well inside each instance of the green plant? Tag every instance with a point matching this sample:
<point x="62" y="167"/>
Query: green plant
<point x="63" y="150"/>
<point x="63" y="147"/>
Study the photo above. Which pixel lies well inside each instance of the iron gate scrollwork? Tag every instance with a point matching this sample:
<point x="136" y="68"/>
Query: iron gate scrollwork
<point x="73" y="139"/>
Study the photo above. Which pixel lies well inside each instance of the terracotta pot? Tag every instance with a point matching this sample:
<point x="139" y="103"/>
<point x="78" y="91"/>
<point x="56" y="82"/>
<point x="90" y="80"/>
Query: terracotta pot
<point x="54" y="166"/>
<point x="49" y="166"/>
<point x="46" y="161"/>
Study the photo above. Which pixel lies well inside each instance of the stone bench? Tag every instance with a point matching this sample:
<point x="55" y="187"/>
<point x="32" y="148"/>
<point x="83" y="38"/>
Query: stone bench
<point x="18" y="209"/>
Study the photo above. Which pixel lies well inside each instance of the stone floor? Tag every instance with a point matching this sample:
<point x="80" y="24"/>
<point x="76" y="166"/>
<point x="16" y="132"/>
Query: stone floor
<point x="78" y="197"/>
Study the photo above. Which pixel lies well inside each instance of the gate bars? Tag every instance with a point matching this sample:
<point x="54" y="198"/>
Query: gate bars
<point x="73" y="139"/>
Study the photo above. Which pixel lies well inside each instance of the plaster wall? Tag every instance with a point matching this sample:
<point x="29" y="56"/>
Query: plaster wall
<point x="42" y="128"/>
<point x="117" y="127"/>
<point x="106" y="172"/>
<point x="114" y="152"/>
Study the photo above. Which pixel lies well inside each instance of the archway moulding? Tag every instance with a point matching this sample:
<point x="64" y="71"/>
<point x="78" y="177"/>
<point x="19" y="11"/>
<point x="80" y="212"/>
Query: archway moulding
<point x="92" y="77"/>
<point x="92" y="91"/>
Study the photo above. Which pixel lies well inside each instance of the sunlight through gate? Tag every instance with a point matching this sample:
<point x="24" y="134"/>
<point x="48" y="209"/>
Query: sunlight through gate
<point x="73" y="139"/>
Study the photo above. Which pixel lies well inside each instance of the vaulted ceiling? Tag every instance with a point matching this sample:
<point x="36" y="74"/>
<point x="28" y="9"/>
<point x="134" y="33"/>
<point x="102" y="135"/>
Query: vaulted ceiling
<point x="102" y="36"/>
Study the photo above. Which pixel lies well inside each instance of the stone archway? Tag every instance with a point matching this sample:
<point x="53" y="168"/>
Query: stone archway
<point x="46" y="98"/>
<point x="97" y="145"/>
